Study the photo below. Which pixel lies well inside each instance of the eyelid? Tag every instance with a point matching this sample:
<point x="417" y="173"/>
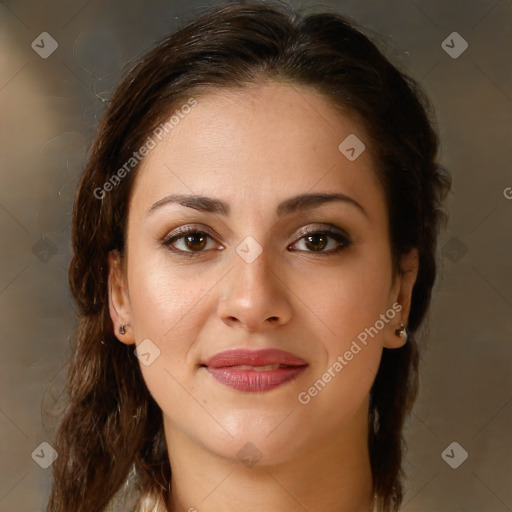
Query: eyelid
<point x="323" y="228"/>
<point x="189" y="228"/>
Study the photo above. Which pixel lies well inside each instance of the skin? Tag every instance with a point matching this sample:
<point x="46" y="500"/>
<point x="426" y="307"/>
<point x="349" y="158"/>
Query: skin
<point x="254" y="148"/>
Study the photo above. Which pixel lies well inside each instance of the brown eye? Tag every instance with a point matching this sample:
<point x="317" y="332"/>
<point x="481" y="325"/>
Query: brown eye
<point x="195" y="242"/>
<point x="189" y="241"/>
<point x="318" y="241"/>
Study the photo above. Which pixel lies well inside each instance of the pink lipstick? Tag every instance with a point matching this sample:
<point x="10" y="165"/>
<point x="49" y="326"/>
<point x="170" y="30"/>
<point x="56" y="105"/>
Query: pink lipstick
<point x="254" y="370"/>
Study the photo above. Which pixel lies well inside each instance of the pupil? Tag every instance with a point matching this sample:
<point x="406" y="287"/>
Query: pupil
<point x="316" y="246"/>
<point x="195" y="237"/>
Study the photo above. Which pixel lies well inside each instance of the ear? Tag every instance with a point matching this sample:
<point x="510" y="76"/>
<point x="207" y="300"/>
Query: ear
<point x="119" y="303"/>
<point x="402" y="294"/>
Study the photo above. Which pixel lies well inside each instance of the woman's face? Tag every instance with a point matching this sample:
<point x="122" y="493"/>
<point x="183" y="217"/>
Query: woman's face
<point x="257" y="276"/>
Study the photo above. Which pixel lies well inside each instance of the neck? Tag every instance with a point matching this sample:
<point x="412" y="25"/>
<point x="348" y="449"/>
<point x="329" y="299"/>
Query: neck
<point x="333" y="475"/>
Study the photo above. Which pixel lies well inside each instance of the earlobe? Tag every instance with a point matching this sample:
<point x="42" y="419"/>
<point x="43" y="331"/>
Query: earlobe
<point x="409" y="265"/>
<point x="119" y="304"/>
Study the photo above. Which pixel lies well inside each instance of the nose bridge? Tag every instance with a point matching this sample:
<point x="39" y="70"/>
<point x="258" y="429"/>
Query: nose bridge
<point x="253" y="273"/>
<point x="253" y="294"/>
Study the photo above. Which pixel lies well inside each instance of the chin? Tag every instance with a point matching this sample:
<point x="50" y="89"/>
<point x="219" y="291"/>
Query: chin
<point x="264" y="439"/>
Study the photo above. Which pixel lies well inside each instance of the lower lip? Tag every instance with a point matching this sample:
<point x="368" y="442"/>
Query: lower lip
<point x="255" y="381"/>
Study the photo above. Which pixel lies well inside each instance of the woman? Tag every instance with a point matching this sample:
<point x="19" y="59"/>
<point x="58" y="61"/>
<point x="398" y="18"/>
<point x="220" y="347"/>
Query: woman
<point x="254" y="243"/>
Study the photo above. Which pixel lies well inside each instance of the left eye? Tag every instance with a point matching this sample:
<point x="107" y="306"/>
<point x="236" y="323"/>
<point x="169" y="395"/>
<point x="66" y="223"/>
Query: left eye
<point x="192" y="241"/>
<point x="318" y="241"/>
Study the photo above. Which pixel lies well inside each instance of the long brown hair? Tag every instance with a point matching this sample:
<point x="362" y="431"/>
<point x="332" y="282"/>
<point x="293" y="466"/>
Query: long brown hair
<point x="112" y="432"/>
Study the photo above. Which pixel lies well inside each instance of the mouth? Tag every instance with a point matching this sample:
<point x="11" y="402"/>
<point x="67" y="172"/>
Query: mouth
<point x="254" y="370"/>
<point x="259" y="368"/>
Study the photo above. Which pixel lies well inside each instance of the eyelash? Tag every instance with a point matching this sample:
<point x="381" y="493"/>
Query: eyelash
<point x="331" y="232"/>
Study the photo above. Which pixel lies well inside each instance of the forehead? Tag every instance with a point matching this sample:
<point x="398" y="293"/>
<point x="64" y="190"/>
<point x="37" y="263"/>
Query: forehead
<point x="262" y="141"/>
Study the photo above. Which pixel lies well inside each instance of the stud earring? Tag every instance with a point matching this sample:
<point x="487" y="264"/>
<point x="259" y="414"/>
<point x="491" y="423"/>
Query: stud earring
<point x="402" y="332"/>
<point x="122" y="329"/>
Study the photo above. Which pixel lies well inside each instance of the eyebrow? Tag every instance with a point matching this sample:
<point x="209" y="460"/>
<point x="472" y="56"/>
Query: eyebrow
<point x="288" y="206"/>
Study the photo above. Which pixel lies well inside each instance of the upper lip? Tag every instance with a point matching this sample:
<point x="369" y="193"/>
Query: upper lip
<point x="236" y="357"/>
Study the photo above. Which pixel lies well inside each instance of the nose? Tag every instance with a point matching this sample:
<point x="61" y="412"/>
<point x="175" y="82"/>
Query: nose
<point x="254" y="297"/>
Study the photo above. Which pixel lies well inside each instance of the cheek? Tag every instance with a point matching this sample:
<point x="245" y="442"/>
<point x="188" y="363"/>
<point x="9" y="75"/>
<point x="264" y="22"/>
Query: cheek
<point x="347" y="299"/>
<point x="340" y="384"/>
<point x="164" y="299"/>
<point x="334" y="397"/>
<point x="167" y="307"/>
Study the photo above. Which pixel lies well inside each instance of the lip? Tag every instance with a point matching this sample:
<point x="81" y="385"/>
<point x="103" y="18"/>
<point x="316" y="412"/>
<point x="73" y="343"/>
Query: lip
<point x="225" y="368"/>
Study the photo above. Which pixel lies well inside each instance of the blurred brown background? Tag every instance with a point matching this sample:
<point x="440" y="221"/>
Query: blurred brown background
<point x="50" y="103"/>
